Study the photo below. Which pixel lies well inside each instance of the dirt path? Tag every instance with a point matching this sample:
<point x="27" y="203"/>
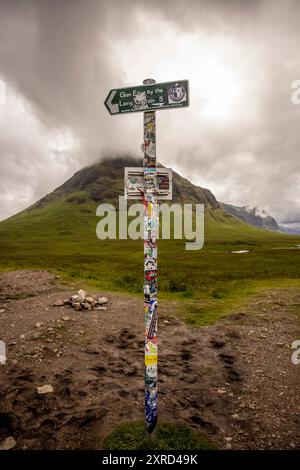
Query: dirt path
<point x="234" y="380"/>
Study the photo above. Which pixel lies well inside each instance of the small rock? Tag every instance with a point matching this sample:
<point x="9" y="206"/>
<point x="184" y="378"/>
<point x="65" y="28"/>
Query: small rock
<point x="2" y="310"/>
<point x="81" y="295"/>
<point x="77" y="307"/>
<point x="36" y="335"/>
<point x="90" y="300"/>
<point x="38" y="325"/>
<point x="228" y="446"/>
<point x="102" y="300"/>
<point x="292" y="444"/>
<point x="86" y="306"/>
<point x="59" y="303"/>
<point x="8" y="443"/>
<point x="45" y="389"/>
<point x="75" y="298"/>
<point x="66" y="318"/>
<point x="228" y="438"/>
<point x="22" y="336"/>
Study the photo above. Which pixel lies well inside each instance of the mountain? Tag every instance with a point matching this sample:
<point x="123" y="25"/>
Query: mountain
<point x="104" y="181"/>
<point x="293" y="228"/>
<point x="58" y="232"/>
<point x="68" y="214"/>
<point x="251" y="215"/>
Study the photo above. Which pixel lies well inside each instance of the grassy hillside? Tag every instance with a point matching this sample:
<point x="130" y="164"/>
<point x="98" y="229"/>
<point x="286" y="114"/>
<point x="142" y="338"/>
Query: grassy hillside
<point x="59" y="233"/>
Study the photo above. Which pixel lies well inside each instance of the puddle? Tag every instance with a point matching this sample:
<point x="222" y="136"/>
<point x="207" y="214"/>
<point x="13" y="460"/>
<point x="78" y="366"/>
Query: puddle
<point x="296" y="247"/>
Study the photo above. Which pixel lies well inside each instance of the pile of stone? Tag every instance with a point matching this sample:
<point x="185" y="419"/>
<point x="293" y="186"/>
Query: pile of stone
<point x="83" y="301"/>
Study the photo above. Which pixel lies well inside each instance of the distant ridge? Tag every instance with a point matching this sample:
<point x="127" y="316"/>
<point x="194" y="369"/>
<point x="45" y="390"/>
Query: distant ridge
<point x="252" y="215"/>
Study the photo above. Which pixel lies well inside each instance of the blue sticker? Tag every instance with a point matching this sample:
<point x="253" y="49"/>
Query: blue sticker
<point x="151" y="406"/>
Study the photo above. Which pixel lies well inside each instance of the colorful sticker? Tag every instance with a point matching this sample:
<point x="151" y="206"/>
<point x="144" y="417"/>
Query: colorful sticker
<point x="149" y="185"/>
<point x="176" y="93"/>
<point x="150" y="263"/>
<point x="152" y="241"/>
<point x="151" y="347"/>
<point x="150" y="360"/>
<point x="149" y="251"/>
<point x="149" y="198"/>
<point x="150" y="224"/>
<point x="149" y="275"/>
<point x="150" y="285"/>
<point x="151" y="408"/>
<point x="151" y="376"/>
<point x="151" y="321"/>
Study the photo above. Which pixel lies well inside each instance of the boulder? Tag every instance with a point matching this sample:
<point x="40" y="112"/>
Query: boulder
<point x="45" y="389"/>
<point x="102" y="300"/>
<point x="8" y="443"/>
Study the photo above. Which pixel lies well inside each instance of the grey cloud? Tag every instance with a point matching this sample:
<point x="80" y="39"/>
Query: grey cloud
<point x="62" y="58"/>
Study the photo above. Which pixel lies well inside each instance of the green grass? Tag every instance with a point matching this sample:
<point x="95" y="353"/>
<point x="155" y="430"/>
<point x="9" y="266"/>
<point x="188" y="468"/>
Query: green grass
<point x="130" y="436"/>
<point x="202" y="311"/>
<point x="207" y="284"/>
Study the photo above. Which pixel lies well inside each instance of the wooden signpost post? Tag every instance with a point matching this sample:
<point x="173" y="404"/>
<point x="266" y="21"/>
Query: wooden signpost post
<point x="149" y="185"/>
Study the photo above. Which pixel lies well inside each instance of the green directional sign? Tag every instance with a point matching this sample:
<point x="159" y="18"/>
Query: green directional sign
<point x="150" y="97"/>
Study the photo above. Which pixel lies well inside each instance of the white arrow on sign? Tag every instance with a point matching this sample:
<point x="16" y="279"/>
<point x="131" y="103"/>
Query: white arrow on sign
<point x="113" y="108"/>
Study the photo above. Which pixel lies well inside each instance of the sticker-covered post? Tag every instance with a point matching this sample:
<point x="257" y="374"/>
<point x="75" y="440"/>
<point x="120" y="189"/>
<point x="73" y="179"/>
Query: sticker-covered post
<point x="151" y="185"/>
<point x="151" y="228"/>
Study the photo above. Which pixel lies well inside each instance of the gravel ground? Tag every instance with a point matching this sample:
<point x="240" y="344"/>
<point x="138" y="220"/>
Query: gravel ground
<point x="234" y="380"/>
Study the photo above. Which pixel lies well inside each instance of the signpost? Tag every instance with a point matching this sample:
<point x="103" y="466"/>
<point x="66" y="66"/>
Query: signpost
<point x="149" y="184"/>
<point x="148" y="97"/>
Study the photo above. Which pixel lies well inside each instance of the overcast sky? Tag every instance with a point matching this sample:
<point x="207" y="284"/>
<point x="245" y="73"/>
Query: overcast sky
<point x="239" y="137"/>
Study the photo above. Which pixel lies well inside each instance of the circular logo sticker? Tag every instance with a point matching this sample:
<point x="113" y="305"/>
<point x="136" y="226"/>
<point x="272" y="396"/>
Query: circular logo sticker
<point x="176" y="93"/>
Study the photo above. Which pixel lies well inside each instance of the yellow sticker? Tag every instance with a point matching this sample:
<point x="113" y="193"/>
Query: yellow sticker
<point x="150" y="360"/>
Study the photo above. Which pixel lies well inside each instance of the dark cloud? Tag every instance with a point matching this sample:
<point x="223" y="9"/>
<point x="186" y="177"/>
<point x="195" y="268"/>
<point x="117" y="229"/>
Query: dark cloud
<point x="59" y="59"/>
